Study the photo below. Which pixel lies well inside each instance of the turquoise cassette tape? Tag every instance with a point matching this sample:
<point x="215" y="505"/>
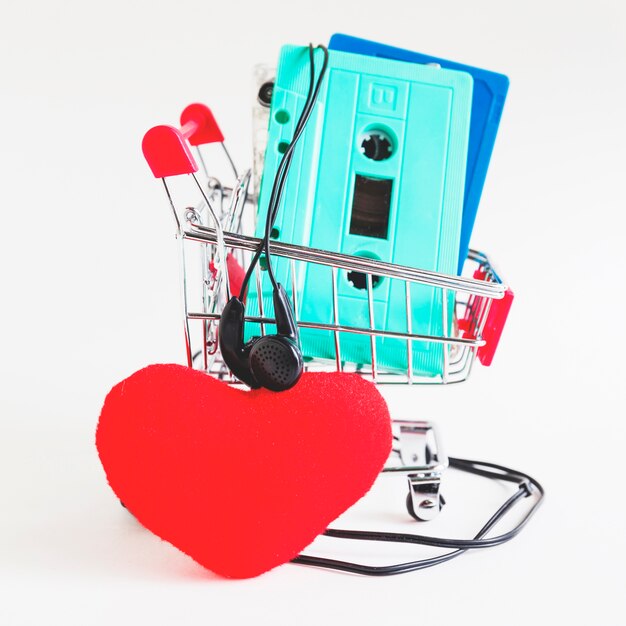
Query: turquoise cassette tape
<point x="378" y="173"/>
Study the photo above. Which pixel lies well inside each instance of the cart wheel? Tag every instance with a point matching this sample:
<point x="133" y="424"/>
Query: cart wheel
<point x="411" y="510"/>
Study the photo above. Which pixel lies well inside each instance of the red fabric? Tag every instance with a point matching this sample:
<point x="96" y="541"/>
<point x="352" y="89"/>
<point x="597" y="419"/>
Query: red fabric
<point x="241" y="481"/>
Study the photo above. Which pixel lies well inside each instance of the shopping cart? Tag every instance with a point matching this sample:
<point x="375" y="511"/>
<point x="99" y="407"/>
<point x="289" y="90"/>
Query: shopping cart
<point x="214" y="249"/>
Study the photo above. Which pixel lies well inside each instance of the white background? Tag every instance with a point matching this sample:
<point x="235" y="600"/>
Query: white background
<point x="89" y="277"/>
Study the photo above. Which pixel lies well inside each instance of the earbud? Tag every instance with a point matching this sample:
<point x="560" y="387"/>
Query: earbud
<point x="274" y="361"/>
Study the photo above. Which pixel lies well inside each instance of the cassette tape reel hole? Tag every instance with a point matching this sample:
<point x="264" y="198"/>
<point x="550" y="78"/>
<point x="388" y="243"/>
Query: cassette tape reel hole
<point x="358" y="280"/>
<point x="376" y="144"/>
<point x="265" y="93"/>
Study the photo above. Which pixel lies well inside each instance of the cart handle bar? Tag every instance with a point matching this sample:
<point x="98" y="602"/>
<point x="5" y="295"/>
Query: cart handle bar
<point x="494" y="290"/>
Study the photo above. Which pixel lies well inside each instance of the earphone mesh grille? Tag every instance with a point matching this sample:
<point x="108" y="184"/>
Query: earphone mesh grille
<point x="275" y="362"/>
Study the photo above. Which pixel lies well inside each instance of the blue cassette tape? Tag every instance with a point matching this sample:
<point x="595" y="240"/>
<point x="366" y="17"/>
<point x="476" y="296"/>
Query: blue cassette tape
<point x="379" y="173"/>
<point x="490" y="91"/>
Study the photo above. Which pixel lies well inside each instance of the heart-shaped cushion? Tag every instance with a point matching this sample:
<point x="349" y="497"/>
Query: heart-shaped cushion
<point x="239" y="480"/>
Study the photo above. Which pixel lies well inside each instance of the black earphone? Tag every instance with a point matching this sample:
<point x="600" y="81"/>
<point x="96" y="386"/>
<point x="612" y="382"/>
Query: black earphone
<point x="273" y="361"/>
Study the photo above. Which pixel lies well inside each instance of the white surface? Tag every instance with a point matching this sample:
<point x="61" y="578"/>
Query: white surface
<point x="89" y="278"/>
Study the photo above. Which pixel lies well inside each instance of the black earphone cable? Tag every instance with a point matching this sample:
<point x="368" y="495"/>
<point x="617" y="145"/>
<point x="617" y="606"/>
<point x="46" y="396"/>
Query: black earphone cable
<point x="283" y="169"/>
<point x="526" y="487"/>
<point x="299" y="130"/>
<point x="281" y="175"/>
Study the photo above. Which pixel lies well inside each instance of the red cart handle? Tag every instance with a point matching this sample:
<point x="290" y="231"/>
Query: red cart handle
<point x="494" y="324"/>
<point x="166" y="149"/>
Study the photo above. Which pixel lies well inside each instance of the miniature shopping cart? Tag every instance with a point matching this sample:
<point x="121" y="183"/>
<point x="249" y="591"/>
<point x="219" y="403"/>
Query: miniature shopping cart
<point x="214" y="249"/>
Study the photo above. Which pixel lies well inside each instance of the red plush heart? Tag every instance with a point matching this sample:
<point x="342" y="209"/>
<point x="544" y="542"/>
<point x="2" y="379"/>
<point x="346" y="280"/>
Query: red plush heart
<point x="241" y="481"/>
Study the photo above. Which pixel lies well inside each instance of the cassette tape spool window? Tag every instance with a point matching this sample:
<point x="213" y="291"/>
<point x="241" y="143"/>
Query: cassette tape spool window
<point x="371" y="204"/>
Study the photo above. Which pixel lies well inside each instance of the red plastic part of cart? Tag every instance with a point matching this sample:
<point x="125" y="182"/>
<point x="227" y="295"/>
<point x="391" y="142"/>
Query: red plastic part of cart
<point x="167" y="152"/>
<point x="199" y="125"/>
